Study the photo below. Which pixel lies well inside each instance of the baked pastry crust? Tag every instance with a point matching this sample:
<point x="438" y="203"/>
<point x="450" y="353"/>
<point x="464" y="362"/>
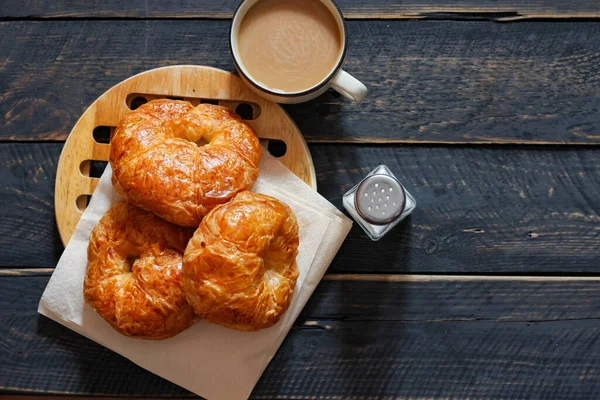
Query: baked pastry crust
<point x="133" y="278"/>
<point x="239" y="268"/>
<point x="158" y="166"/>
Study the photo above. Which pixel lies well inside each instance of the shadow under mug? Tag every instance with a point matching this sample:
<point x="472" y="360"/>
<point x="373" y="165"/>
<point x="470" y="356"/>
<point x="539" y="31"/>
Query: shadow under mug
<point x="338" y="79"/>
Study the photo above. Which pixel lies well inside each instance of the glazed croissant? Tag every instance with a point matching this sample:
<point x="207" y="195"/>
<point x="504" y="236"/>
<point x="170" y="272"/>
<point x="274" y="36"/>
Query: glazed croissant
<point x="158" y="166"/>
<point x="145" y="276"/>
<point x="133" y="278"/>
<point x="239" y="268"/>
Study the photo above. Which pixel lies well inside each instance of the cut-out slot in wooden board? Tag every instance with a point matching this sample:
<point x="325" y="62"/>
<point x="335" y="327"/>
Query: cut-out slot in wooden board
<point x="88" y="141"/>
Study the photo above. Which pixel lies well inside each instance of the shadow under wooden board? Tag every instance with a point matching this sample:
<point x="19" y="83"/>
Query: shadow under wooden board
<point x="195" y="84"/>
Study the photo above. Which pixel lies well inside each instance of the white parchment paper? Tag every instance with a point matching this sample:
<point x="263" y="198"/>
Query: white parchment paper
<point x="207" y="359"/>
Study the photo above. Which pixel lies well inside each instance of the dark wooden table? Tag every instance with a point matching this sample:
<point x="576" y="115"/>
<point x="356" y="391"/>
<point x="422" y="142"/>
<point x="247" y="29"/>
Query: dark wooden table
<point x="487" y="110"/>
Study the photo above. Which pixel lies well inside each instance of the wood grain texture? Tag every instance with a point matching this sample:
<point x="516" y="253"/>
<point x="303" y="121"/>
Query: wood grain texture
<point x="429" y="81"/>
<point x="354" y="339"/>
<point x="350" y="8"/>
<point x="480" y="210"/>
<point x="29" y="236"/>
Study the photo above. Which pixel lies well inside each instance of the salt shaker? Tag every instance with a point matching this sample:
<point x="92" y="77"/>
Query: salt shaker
<point x="379" y="202"/>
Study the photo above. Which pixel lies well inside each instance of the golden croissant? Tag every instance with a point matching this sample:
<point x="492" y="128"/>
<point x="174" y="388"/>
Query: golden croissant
<point x="159" y="166"/>
<point x="239" y="268"/>
<point x="134" y="273"/>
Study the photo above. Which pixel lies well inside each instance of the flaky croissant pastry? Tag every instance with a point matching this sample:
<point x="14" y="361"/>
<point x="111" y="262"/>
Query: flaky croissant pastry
<point x="158" y="165"/>
<point x="133" y="278"/>
<point x="239" y="268"/>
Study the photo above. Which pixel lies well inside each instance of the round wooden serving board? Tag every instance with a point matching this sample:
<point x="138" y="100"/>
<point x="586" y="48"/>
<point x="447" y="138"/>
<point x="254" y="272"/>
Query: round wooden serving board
<point x="195" y="84"/>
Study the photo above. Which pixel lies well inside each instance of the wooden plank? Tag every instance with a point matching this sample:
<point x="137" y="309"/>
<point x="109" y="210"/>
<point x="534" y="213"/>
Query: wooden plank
<point x="350" y="8"/>
<point x="419" y="339"/>
<point x="429" y="81"/>
<point x="480" y="210"/>
<point x="29" y="236"/>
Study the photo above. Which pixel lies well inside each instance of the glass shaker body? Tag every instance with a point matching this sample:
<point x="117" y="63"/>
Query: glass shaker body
<point x="379" y="202"/>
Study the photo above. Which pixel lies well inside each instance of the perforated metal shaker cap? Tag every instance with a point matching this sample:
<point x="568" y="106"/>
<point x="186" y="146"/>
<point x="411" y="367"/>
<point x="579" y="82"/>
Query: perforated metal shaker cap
<point x="380" y="199"/>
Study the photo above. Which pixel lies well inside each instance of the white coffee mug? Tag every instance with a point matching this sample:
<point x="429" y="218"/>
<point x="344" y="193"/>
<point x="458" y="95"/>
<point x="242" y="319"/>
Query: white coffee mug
<point x="338" y="79"/>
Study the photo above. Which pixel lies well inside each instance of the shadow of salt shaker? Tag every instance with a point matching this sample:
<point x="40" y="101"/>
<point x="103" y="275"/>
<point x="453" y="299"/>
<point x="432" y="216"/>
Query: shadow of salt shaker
<point x="379" y="202"/>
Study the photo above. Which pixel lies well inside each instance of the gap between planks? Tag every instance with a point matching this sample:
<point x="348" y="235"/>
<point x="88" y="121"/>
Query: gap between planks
<point x="14" y="272"/>
<point x="441" y="14"/>
<point x="478" y="142"/>
<point x="35" y="395"/>
<point x="434" y="278"/>
<point x="391" y="142"/>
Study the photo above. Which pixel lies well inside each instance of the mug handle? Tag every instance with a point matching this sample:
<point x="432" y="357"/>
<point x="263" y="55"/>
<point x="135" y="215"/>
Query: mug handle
<point x="349" y="86"/>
